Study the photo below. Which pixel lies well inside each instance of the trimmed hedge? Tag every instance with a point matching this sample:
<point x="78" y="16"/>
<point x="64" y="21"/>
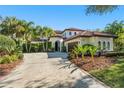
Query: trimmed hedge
<point x="114" y="54"/>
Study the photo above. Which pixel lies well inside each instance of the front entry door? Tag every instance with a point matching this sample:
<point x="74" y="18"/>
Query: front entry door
<point x="57" y="46"/>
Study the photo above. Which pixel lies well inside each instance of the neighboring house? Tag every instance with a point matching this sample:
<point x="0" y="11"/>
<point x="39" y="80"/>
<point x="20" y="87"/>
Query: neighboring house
<point x="73" y="36"/>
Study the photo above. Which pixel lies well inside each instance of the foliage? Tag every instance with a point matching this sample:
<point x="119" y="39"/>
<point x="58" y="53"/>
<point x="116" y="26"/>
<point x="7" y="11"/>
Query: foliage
<point x="36" y="47"/>
<point x="10" y="58"/>
<point x="64" y="48"/>
<point x="76" y="51"/>
<point x="100" y="9"/>
<point x="20" y="55"/>
<point x="5" y="59"/>
<point x="112" y="76"/>
<point x="7" y="44"/>
<point x="23" y="32"/>
<point x="71" y="55"/>
<point x="93" y="50"/>
<point x="83" y="50"/>
<point x="46" y="34"/>
<point x="13" y="58"/>
<point x="116" y="28"/>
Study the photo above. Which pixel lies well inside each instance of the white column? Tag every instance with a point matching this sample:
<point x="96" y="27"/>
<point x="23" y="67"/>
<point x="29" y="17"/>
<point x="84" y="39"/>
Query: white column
<point x="60" y="46"/>
<point x="66" y="47"/>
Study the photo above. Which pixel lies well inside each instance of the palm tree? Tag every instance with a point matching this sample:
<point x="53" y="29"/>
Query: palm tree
<point x="93" y="50"/>
<point x="46" y="34"/>
<point x="28" y="34"/>
<point x="8" y="26"/>
<point x="76" y="51"/>
<point x="40" y="34"/>
<point x="83" y="50"/>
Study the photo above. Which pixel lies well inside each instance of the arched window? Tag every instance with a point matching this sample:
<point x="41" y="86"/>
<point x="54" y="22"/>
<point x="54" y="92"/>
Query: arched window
<point x="108" y="45"/>
<point x="69" y="33"/>
<point x="99" y="45"/>
<point x="75" y="33"/>
<point x="104" y="45"/>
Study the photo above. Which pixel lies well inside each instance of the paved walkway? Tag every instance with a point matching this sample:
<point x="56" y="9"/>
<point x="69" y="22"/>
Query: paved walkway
<point x="48" y="70"/>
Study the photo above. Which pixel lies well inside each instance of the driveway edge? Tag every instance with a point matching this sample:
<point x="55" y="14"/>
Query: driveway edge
<point x="97" y="80"/>
<point x="106" y="86"/>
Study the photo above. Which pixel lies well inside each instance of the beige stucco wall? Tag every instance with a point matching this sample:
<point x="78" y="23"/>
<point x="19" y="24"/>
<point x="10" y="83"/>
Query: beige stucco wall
<point x="106" y="40"/>
<point x="54" y="39"/>
<point x="92" y="40"/>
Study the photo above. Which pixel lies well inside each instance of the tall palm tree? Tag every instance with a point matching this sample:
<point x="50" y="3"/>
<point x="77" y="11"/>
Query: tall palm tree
<point x="8" y="26"/>
<point x="40" y="34"/>
<point x="28" y="26"/>
<point x="46" y="34"/>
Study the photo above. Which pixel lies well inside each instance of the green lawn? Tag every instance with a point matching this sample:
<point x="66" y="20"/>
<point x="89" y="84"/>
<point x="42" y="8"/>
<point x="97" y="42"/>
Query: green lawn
<point x="112" y="76"/>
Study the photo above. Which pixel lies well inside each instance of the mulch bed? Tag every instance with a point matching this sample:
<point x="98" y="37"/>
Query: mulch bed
<point x="5" y="69"/>
<point x="99" y="63"/>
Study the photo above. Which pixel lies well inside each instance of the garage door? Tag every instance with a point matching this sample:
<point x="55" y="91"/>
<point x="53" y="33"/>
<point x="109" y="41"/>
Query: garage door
<point x="71" y="46"/>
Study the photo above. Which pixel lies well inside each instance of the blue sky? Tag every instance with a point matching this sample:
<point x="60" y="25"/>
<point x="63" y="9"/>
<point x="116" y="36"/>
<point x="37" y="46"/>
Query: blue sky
<point x="61" y="17"/>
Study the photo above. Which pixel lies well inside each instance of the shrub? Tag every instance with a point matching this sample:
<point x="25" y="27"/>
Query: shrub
<point x="13" y="58"/>
<point x="63" y="48"/>
<point x="20" y="56"/>
<point x="5" y="59"/>
<point x="114" y="54"/>
<point x="7" y="44"/>
<point x="71" y="55"/>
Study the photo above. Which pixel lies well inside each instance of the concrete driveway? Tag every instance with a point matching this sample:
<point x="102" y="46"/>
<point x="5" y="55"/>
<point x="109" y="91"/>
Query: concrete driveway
<point x="51" y="70"/>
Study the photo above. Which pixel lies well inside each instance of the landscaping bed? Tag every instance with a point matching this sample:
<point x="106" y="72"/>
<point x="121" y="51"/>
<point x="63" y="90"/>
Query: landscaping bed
<point x="5" y="69"/>
<point x="109" y="70"/>
<point x="10" y="55"/>
<point x="112" y="76"/>
<point x="99" y="63"/>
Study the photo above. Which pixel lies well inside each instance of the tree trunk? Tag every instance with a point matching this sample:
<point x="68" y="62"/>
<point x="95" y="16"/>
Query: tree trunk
<point x="26" y="46"/>
<point x="83" y="57"/>
<point x="47" y="46"/>
<point x="43" y="47"/>
<point x="29" y="50"/>
<point x="92" y="57"/>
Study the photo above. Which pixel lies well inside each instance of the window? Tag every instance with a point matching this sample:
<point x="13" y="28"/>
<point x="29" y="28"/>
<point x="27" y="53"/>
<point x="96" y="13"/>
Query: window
<point x="99" y="45"/>
<point x="108" y="46"/>
<point x="69" y="33"/>
<point x="75" y="33"/>
<point x="65" y="34"/>
<point x="104" y="45"/>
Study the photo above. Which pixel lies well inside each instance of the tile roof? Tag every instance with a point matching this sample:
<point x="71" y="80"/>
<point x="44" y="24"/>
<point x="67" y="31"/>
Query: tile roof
<point x="91" y="34"/>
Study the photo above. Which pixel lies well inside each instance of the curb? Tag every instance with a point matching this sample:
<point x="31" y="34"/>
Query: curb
<point x="106" y="86"/>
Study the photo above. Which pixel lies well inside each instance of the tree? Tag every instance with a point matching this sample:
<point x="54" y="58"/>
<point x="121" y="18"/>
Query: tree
<point x="40" y="34"/>
<point x="83" y="50"/>
<point x="76" y="51"/>
<point x="8" y="26"/>
<point x="93" y="50"/>
<point x="100" y="9"/>
<point x="116" y="28"/>
<point x="28" y="34"/>
<point x="46" y="34"/>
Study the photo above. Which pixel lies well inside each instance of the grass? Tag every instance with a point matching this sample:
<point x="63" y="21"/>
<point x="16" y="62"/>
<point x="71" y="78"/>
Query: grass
<point x="112" y="76"/>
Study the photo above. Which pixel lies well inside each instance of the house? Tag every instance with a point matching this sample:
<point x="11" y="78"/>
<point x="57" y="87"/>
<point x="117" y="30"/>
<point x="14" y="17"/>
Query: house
<point x="73" y="36"/>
